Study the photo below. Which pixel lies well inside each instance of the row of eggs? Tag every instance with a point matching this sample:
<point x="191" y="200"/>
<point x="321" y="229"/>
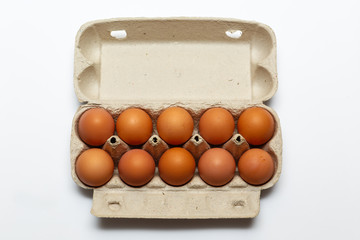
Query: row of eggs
<point x="216" y="167"/>
<point x="175" y="126"/>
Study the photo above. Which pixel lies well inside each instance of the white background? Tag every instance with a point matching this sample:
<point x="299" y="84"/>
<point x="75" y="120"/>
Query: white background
<point x="318" y="194"/>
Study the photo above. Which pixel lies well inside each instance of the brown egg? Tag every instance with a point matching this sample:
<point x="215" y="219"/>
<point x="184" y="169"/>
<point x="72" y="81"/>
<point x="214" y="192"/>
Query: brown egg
<point x="216" y="126"/>
<point x="256" y="166"/>
<point x="216" y="167"/>
<point x="175" y="125"/>
<point x="94" y="167"/>
<point x="95" y="126"/>
<point x="136" y="167"/>
<point x="176" y="166"/>
<point x="134" y="126"/>
<point x="256" y="125"/>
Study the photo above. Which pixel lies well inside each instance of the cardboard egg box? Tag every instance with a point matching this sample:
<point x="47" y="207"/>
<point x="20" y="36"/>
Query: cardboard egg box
<point x="194" y="63"/>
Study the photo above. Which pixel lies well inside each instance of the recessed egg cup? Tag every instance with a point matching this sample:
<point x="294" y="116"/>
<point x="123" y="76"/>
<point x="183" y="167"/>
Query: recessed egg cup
<point x="194" y="63"/>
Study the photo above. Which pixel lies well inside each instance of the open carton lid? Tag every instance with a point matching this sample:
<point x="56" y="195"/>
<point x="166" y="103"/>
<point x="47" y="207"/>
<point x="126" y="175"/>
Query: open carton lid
<point x="174" y="59"/>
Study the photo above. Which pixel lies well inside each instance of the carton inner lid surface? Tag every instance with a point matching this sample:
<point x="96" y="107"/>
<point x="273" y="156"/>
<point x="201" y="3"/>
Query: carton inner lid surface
<point x="174" y="60"/>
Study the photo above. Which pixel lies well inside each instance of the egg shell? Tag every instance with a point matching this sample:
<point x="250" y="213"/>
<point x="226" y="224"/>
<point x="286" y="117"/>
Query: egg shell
<point x="175" y="125"/>
<point x="216" y="167"/>
<point x="256" y="125"/>
<point x="95" y="126"/>
<point x="136" y="167"/>
<point x="134" y="126"/>
<point x="177" y="166"/>
<point x="256" y="166"/>
<point x="216" y="125"/>
<point x="94" y="167"/>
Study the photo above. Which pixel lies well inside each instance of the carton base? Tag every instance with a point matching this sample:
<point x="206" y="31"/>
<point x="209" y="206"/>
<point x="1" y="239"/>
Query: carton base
<point x="176" y="204"/>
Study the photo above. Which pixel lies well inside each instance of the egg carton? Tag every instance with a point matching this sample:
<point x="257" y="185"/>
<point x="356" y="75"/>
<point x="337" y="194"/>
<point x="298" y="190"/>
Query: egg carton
<point x="193" y="63"/>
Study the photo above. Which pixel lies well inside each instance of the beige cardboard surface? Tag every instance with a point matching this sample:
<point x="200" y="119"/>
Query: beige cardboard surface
<point x="186" y="62"/>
